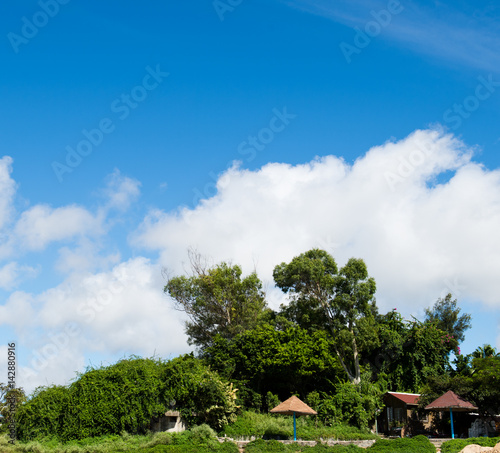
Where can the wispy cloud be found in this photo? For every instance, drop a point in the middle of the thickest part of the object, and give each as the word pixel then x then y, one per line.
pixel 460 32
pixel 12 273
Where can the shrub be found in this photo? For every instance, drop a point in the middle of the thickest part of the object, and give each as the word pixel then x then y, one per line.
pixel 418 444
pixel 273 446
pixel 264 446
pixel 126 396
pixel 321 448
pixel 351 404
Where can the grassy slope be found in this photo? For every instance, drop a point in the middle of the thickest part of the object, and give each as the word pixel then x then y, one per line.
pixel 274 426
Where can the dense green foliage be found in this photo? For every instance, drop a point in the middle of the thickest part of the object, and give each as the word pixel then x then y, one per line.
pixel 351 404
pixel 281 361
pixel 127 396
pixel 456 445
pixel 409 352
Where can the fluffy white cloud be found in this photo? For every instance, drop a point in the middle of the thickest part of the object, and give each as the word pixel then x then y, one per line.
pixel 421 235
pixel 42 224
pixel 18 312
pixel 115 313
pixel 86 256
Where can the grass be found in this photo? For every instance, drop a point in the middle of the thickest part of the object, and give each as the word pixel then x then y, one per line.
pixel 200 439
pixel 456 445
pixel 281 427
pixel 417 444
pixel 273 446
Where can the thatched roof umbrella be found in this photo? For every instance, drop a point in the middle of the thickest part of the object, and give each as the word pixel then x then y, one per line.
pixel 293 406
pixel 454 403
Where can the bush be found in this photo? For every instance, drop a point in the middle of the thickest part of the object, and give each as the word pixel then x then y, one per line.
pixel 273 446
pixel 351 404
pixel 417 444
pixel 199 440
pixel 320 448
pixel 126 396
pixel 264 446
pixel 456 445
pixel 226 447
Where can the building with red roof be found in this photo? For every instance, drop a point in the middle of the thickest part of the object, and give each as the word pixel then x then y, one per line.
pixel 400 415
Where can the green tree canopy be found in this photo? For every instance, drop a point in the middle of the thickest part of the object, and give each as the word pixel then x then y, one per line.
pixel 409 352
pixel 218 301
pixel 341 301
pixel 283 362
pixel 446 315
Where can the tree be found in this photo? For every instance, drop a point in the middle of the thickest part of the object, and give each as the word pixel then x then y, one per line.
pixel 445 313
pixel 10 398
pixel 486 378
pixel 409 352
pixel 341 301
pixel 485 351
pixel 481 387
pixel 217 301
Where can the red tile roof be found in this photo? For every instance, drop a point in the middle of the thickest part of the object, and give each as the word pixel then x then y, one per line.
pixel 451 400
pixel 410 399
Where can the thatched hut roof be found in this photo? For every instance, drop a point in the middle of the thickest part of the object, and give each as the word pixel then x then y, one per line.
pixel 291 405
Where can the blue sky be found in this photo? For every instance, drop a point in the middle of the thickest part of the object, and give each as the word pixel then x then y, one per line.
pixel 250 131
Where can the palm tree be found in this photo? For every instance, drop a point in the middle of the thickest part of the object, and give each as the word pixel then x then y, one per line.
pixel 485 351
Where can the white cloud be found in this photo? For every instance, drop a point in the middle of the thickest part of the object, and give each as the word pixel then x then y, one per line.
pixel 86 256
pixel 7 191
pixel 42 224
pixel 18 312
pixel 121 191
pixel 12 273
pixel 120 312
pixel 419 238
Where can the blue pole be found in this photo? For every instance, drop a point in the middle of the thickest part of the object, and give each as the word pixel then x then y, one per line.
pixel 294 427
pixel 451 418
